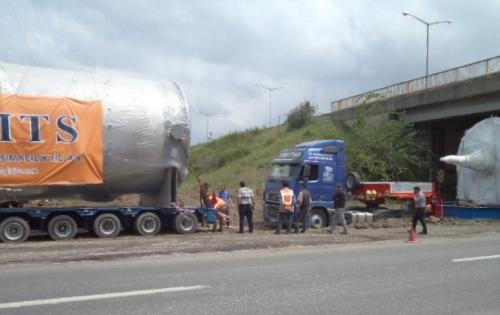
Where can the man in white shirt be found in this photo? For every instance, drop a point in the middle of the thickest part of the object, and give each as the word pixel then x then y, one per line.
pixel 246 204
pixel 419 205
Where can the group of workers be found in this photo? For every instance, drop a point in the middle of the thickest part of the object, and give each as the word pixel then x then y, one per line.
pixel 222 203
pixel 297 210
pixel 291 209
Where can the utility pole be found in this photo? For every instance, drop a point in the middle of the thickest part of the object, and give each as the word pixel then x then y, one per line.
pixel 270 89
pixel 208 115
pixel 279 123
pixel 427 25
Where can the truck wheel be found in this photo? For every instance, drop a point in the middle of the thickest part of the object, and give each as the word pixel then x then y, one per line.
pixel 318 219
pixel 352 180
pixel 62 227
pixel 107 225
pixel 186 223
pixel 348 217
pixel 14 229
pixel 147 224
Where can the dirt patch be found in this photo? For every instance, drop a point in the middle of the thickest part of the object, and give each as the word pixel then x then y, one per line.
pixel 86 247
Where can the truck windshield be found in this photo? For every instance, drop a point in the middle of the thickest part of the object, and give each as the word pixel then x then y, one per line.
pixel 284 171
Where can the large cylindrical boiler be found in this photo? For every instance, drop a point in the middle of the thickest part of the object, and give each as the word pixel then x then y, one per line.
pixel 145 125
pixel 478 164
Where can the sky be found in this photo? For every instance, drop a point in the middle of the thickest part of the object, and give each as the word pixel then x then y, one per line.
pixel 219 51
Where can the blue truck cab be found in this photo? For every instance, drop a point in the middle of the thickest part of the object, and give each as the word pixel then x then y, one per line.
pixel 321 163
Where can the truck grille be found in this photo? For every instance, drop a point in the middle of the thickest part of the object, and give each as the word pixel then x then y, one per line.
pixel 271 212
pixel 272 196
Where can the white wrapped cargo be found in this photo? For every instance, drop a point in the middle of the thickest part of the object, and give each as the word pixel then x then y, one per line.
pixel 478 164
pixel 139 145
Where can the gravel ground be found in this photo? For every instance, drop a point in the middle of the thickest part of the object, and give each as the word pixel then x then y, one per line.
pixel 87 247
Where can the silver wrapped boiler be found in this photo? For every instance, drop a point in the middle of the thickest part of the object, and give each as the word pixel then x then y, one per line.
pixel 478 164
pixel 146 132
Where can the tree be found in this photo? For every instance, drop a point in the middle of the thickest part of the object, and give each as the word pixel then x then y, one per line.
pixel 301 115
pixel 383 150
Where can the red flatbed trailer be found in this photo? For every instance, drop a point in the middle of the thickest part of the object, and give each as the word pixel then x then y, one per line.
pixel 374 194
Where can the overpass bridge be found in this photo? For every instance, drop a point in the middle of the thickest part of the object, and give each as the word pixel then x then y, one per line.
pixel 443 104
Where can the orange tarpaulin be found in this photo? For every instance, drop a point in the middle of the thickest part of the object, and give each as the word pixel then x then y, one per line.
pixel 50 141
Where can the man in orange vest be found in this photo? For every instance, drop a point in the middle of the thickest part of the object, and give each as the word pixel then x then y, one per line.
pixel 220 207
pixel 286 208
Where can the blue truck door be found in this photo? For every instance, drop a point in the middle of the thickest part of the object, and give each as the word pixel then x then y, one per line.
pixel 328 178
pixel 312 181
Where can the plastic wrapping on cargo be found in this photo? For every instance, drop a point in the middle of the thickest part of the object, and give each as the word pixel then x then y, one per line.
pixel 478 164
pixel 146 132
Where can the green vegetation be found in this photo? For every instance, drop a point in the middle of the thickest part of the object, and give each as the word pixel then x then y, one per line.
pixel 247 155
pixel 378 150
pixel 387 150
pixel 301 115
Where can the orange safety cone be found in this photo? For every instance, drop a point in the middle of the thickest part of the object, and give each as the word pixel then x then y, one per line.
pixel 413 236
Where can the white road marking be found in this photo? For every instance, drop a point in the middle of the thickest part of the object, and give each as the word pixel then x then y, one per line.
pixel 99 296
pixel 476 258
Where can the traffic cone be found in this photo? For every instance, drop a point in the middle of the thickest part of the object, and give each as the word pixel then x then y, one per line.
pixel 413 236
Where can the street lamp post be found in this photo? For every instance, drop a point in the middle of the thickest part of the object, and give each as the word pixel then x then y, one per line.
pixel 427 24
pixel 270 89
pixel 207 115
pixel 279 122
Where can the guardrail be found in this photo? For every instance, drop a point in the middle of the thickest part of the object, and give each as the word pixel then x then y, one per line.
pixel 462 73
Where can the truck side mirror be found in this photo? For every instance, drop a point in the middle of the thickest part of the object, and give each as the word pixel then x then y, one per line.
pixel 307 171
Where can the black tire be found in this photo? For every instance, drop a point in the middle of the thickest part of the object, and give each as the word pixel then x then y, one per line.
pixel 348 217
pixel 185 223
pixel 107 225
pixel 147 224
pixel 14 230
pixel 318 218
pixel 352 180
pixel 62 227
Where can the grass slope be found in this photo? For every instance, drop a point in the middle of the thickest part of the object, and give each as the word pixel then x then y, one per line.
pixel 248 155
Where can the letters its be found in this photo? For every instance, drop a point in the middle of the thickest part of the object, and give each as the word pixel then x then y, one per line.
pixel 66 127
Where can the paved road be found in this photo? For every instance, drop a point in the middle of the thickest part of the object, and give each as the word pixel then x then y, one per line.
pixel 378 278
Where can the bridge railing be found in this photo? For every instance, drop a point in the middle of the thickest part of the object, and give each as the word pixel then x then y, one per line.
pixel 462 73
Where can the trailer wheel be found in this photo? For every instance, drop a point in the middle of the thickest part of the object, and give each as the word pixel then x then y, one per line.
pixel 186 223
pixel 348 217
pixel 62 227
pixel 107 225
pixel 147 224
pixel 318 219
pixel 14 229
pixel 352 180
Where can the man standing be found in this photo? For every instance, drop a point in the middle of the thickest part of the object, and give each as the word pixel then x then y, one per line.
pixel 286 208
pixel 226 196
pixel 220 207
pixel 246 204
pixel 205 201
pixel 339 205
pixel 303 203
pixel 419 205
